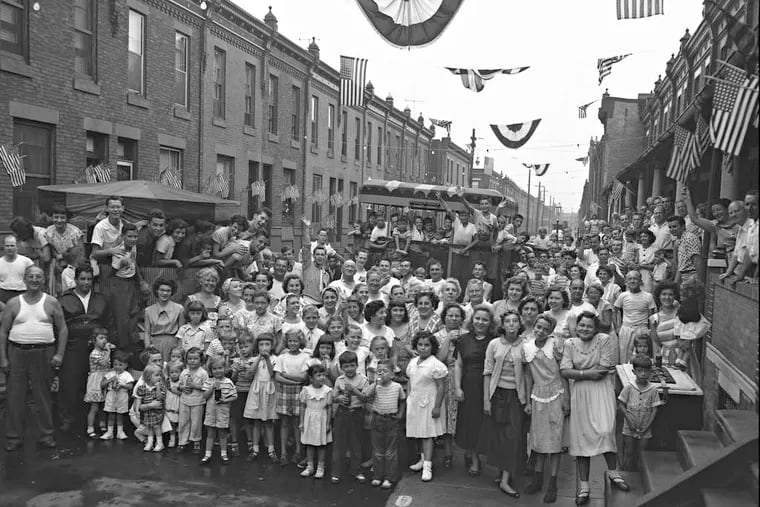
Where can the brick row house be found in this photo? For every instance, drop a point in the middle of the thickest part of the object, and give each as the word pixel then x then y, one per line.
pixel 203 88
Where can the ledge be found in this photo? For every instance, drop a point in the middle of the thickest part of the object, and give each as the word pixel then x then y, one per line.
pixel 273 138
pixel 219 122
pixel 181 112
pixel 87 85
pixel 15 64
pixel 249 131
pixel 314 149
pixel 295 144
pixel 134 99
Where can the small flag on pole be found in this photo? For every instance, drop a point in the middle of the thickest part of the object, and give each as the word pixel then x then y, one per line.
pixel 353 77
pixel 171 178
pixel 633 9
pixel 223 185
pixel 13 163
pixel 617 190
pixel 102 172
pixel 604 65
pixel 89 174
pixel 735 100
pixel 474 79
pixel 681 159
pixel 582 109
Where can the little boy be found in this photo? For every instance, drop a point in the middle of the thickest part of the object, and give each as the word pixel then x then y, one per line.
pixel 388 407
pixel 351 390
pixel 310 315
pixel 661 270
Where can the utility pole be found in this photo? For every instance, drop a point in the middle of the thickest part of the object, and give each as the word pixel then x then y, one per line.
pixel 472 157
pixel 538 205
pixel 527 204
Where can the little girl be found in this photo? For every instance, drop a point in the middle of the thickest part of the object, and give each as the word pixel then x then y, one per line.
pixel 315 420
pixel 191 334
pixel 191 401
pixel 219 391
pixel 291 320
pixel 641 343
pixel 100 363
pixel 260 406
pixel 177 355
pixel 290 375
pixel 353 343
pixel 335 329
pixel 173 393
pixel 117 383
pixel 150 356
pixel 689 327
pixel 150 404
pixel 242 375
pixel 639 401
pixel 223 347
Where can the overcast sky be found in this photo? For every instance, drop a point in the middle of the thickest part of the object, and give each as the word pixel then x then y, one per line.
pixel 560 40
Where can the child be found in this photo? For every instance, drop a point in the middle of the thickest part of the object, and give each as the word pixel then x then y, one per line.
pixel 639 401
pixel 379 351
pixel 176 355
pixel 353 343
pixel 242 375
pixel 631 249
pixel 212 339
pixel 150 405
pixel 150 356
pixel 173 393
pixel 191 401
pixel 689 327
pixel 261 404
pixel 641 344
pixel 312 333
pixel 291 321
pixel 290 375
pixel 419 273
pixel 479 273
pixel 661 269
pixel 632 310
pixel 387 410
pixel 402 236
pixel 191 334
pixel 100 363
pixel 117 383
pixel 219 392
pixel 335 329
pixel 223 347
pixel 315 419
pixel 351 390
pixel 324 354
pixel 549 402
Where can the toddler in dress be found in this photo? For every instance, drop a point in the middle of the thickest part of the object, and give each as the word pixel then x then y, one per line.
pixel 117 383
pixel 290 375
pixel 149 402
pixel 260 405
pixel 171 404
pixel 219 391
pixel 316 419
pixel 100 363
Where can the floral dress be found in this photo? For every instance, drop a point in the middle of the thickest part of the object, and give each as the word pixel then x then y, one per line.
pixel 257 324
pixel 547 396
pixel 100 363
pixel 315 420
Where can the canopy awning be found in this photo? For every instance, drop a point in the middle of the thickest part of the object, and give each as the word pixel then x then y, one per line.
pixel 423 195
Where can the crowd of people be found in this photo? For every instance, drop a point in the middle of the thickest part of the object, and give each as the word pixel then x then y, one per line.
pixel 371 351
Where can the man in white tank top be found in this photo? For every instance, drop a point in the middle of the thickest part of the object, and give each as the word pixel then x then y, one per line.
pixel 29 353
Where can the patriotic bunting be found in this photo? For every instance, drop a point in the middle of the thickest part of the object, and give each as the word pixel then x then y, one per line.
pixel 515 135
pixel 735 100
pixel 170 178
pixel 473 79
pixel 683 158
pixel 410 22
pixel 582 109
pixel 633 9
pixel 102 172
pixel 539 168
pixel 290 193
pixel 446 124
pixel 353 79
pixel 222 185
pixel 13 163
pixel 617 190
pixel 604 65
pixel 258 188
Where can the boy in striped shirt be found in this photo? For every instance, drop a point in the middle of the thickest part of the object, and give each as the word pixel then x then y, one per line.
pixel 388 407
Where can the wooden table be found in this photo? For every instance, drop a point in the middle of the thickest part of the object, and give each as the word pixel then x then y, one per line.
pixel 683 410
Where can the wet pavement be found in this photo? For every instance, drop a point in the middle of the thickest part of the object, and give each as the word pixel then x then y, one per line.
pixel 81 472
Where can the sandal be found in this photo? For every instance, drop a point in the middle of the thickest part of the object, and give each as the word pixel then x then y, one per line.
pixel 618 482
pixel 92 434
pixel 582 496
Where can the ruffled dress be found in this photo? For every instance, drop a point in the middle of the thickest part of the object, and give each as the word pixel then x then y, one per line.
pixel 315 422
pixel 547 418
pixel 419 415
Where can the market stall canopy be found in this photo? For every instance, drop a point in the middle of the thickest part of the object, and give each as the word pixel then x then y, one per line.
pixel 139 196
pixel 423 196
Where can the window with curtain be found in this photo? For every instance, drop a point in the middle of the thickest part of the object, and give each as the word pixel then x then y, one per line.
pixel 84 37
pixel 136 55
pixel 181 60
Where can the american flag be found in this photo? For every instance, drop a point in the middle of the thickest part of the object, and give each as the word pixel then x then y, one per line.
pixel 446 124
pixel 702 139
pixel 617 190
pixel 632 9
pixel 682 159
pixel 733 107
pixel 353 77
pixel 473 79
pixel 89 174
pixel 102 172
pixel 171 178
pixel 604 65
pixel 222 185
pixel 727 164
pixel 13 163
pixel 582 109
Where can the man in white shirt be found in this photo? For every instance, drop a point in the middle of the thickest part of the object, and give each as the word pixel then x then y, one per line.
pixel 12 267
pixel 280 270
pixel 738 213
pixel 345 284
pixel 436 280
pixel 603 256
pixel 663 239
pixel 322 241
pixel 106 236
pixel 361 257
pixel 384 266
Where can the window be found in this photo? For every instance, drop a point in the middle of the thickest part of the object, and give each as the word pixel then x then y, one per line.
pixel 330 128
pixel 220 69
pixel 84 37
pixel 172 159
pixel 357 138
pixel 136 60
pixel 295 117
pixel 314 120
pixel 344 135
pixel 255 175
pixel 181 59
pixel 126 159
pixel 274 82
pixel 369 142
pixel 250 90
pixel 697 77
pixel 288 205
pixel 353 208
pixel 13 27
pixel 225 166
pixel 339 215
pixel 398 152
pixel 316 206
pixel 36 146
pixel 379 145
pixel 96 146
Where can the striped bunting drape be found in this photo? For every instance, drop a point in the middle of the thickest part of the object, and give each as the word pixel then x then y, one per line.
pixel 516 134
pixel 473 79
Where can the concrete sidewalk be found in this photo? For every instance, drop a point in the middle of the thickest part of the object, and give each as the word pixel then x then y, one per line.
pixel 455 488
